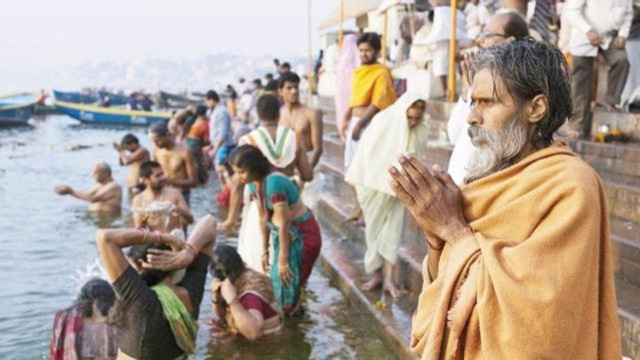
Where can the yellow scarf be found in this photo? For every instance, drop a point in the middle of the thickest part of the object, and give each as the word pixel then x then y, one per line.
pixel 372 85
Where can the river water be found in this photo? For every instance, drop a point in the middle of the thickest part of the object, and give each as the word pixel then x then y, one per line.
pixel 48 252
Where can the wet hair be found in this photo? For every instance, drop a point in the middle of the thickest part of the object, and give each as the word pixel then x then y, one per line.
pixel 251 159
pixel 104 166
pixel 515 26
pixel 146 168
pixel 372 39
pixel 268 107
pixel 201 110
pixel 212 95
pixel 129 139
pixel 95 291
pixel 160 129
pixel 285 65
pixel 139 252
pixel 226 263
pixel 529 68
pixel 271 86
pixel 290 77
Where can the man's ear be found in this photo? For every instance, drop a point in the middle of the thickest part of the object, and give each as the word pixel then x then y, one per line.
pixel 537 109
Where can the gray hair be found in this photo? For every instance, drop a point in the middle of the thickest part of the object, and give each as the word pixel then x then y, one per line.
pixel 529 68
pixel 104 166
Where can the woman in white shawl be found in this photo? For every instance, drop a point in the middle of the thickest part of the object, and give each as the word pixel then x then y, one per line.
pixel 396 130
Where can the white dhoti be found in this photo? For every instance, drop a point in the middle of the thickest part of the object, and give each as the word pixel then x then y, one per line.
pixel 383 217
pixel 250 244
pixel 351 146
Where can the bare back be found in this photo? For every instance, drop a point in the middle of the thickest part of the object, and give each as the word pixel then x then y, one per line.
pixel 174 162
pixel 141 155
pixel 109 195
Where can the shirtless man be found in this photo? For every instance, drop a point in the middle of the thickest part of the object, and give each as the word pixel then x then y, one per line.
pixel 176 160
pixel 104 196
pixel 137 155
pixel 159 207
pixel 305 121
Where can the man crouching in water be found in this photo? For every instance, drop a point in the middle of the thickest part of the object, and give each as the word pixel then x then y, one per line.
pixel 104 196
pixel 159 207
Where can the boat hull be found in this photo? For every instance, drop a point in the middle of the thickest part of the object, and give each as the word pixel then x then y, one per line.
pixel 17 109
pixel 110 116
pixel 172 101
pixel 16 116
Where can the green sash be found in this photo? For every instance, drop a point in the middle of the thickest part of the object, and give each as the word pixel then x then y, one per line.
pixel 183 325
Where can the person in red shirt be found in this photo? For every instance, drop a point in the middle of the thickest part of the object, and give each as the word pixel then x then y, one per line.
pixel 243 299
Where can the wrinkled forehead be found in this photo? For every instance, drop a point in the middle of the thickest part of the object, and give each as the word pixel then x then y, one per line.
pixel 487 84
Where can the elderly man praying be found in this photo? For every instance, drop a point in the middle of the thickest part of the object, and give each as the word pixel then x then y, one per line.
pixel 519 262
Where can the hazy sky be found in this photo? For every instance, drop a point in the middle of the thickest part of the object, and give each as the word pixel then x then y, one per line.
pixel 37 35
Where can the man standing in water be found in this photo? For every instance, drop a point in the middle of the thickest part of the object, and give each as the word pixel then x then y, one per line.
pixel 104 196
pixel 372 92
pixel 176 160
pixel 159 207
pixel 305 121
pixel 137 155
pixel 220 133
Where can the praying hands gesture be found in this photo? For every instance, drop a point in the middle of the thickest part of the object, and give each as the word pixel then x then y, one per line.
pixel 433 199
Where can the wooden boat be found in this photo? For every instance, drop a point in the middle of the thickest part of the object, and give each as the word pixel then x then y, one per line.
pixel 81 98
pixel 107 115
pixel 17 109
pixel 168 100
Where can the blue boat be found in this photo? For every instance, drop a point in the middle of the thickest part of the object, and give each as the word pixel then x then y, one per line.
pixel 17 109
pixel 110 116
pixel 74 97
pixel 80 98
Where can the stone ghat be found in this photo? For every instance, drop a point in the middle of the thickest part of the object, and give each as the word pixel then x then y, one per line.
pixel 342 254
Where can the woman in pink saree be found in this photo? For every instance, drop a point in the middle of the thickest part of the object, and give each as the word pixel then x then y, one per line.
pixel 348 63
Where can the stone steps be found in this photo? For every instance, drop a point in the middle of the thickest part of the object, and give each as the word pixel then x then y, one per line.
pixel 392 319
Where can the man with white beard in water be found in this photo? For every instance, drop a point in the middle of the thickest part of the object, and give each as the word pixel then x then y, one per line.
pixel 519 261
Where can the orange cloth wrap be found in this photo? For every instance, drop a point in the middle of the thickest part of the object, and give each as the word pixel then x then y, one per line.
pixel 536 281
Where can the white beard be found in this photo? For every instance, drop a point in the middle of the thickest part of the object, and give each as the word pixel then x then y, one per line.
pixel 496 150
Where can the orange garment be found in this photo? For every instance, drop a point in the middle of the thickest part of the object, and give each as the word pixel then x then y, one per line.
pixel 536 280
pixel 372 85
pixel 199 130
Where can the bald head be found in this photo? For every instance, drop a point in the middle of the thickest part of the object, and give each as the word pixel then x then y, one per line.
pixel 503 27
pixel 103 166
pixel 102 172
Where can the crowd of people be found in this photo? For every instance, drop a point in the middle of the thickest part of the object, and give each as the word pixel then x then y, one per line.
pixel 157 284
pixel 519 257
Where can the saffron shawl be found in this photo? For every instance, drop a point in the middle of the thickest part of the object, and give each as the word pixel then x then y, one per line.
pixel 372 85
pixel 536 280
